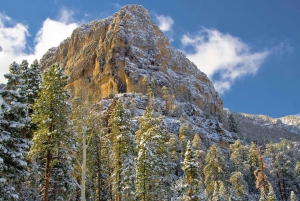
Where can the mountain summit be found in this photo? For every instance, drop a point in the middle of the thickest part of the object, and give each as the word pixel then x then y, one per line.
pixel 117 53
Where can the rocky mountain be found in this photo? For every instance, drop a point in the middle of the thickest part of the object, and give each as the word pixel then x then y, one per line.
pixel 123 53
pixel 117 53
pixel 262 128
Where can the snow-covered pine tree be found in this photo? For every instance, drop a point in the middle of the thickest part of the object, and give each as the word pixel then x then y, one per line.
pixel 232 125
pixel 184 136
pixel 239 187
pixel 152 165
pixel 215 169
pixel 34 79
pixel 293 196
pixel 239 157
pixel 175 156
pixel 124 153
pixel 13 142
pixel 200 154
pixel 263 196
pixel 53 138
pixel 254 164
pixel 271 194
pixel 282 169
pixel 191 174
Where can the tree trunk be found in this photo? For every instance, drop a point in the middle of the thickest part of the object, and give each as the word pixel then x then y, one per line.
pixel 47 174
pixel 263 179
pixel 279 186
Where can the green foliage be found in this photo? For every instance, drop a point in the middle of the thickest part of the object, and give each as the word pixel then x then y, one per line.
pixel 184 136
pixel 153 163
pixel 239 190
pixel 191 174
pixel 232 125
pixel 123 152
pixel 215 169
pixel 271 194
pixel 13 143
pixel 239 157
pixel 51 112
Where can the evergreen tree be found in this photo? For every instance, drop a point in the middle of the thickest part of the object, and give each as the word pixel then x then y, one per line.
pixel 263 196
pixel 191 174
pixel 232 124
pixel 239 191
pixel 239 157
pixel 183 138
pixel 214 170
pixel 271 194
pixel 13 142
pixel 293 196
pixel 34 79
pixel 200 154
pixel 123 152
pixel 282 169
pixel 175 156
pixel 254 165
pixel 53 138
pixel 152 165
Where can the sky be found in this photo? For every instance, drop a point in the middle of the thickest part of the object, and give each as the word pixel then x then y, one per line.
pixel 249 49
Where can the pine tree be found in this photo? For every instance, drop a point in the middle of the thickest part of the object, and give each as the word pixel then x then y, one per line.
pixel 191 174
pixel 183 138
pixel 263 196
pixel 34 79
pixel 293 196
pixel 200 154
pixel 152 165
pixel 53 138
pixel 123 152
pixel 239 157
pixel 175 156
pixel 254 165
pixel 232 124
pixel 239 191
pixel 282 169
pixel 215 169
pixel 14 145
pixel 271 194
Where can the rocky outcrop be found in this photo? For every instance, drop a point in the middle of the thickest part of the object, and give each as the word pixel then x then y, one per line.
pixel 115 54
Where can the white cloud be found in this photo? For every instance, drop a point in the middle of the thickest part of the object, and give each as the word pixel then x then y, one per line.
pixel 165 22
pixel 223 55
pixel 13 39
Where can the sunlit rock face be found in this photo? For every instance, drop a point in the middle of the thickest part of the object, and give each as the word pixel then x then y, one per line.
pixel 115 54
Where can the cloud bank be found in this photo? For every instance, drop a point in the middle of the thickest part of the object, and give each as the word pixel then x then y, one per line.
pixel 13 38
pixel 224 58
pixel 164 22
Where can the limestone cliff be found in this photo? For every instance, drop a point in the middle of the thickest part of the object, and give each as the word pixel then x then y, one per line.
pixel 117 53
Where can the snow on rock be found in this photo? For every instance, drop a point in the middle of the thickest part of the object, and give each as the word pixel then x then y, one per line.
pixel 115 54
pixel 209 129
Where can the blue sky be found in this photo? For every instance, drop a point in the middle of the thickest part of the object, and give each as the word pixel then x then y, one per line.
pixel 250 49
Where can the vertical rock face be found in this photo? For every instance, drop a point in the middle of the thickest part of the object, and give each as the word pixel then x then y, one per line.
pixel 117 53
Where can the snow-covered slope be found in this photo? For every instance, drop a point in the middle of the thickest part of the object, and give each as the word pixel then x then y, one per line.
pixel 263 128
